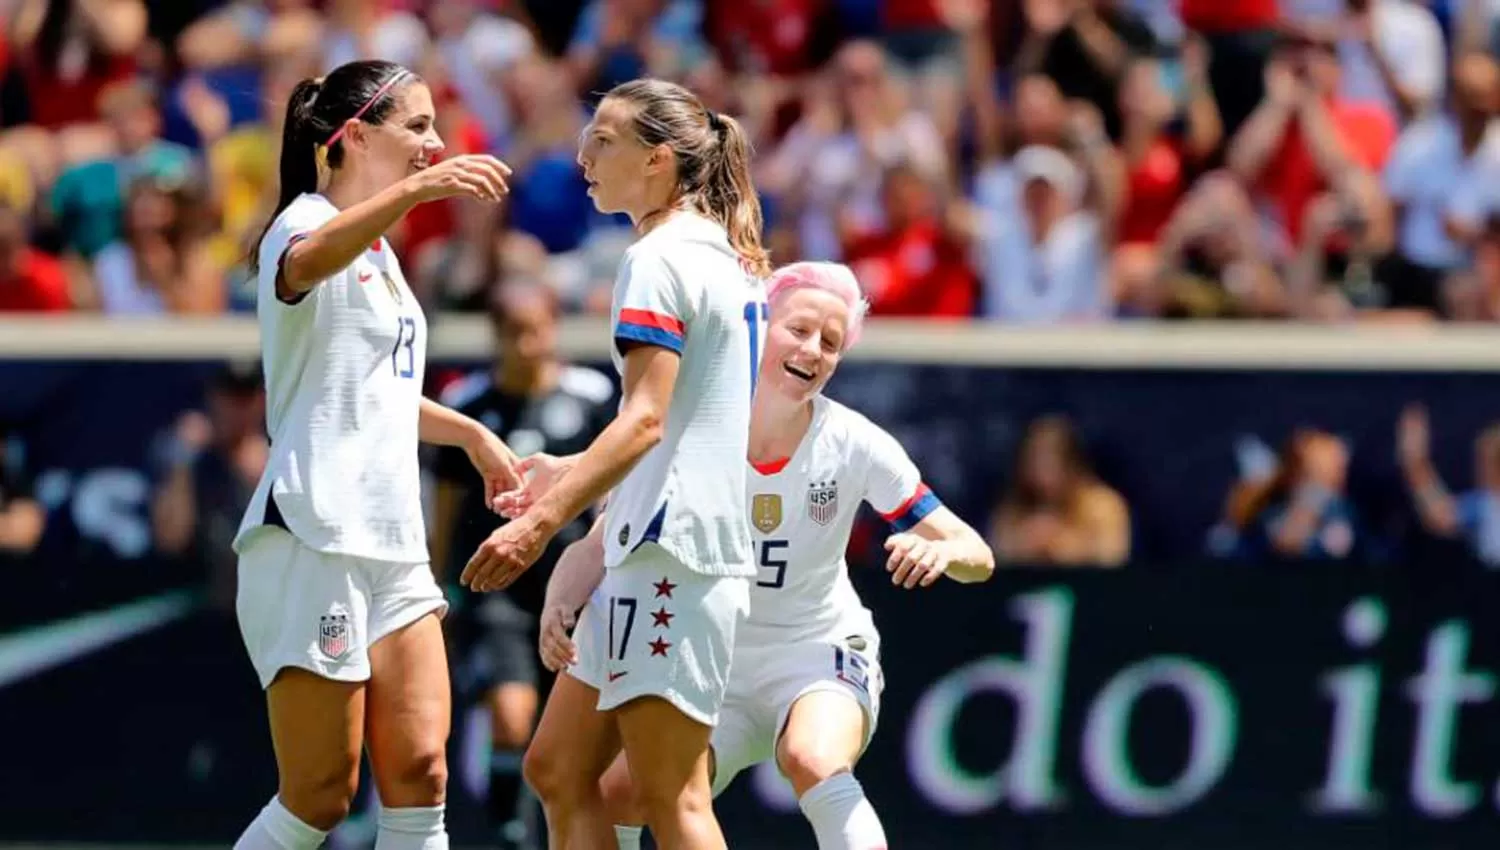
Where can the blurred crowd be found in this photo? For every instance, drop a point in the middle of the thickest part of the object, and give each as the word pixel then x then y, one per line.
pixel 1038 161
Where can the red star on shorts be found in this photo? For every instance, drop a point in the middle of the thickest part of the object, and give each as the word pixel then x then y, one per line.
pixel 661 617
pixel 659 647
pixel 664 588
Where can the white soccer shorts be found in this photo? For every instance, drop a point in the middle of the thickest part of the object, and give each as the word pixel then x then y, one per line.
pixel 299 607
pixel 655 628
pixel 768 680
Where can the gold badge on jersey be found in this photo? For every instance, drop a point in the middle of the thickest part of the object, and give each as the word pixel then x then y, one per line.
pixel 765 512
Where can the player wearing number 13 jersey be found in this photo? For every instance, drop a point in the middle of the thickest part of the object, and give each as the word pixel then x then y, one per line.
pixel 805 679
pixel 336 602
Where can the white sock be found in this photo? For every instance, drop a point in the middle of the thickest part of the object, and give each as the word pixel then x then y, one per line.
pixel 275 828
pixel 841 817
pixel 412 829
pixel 628 837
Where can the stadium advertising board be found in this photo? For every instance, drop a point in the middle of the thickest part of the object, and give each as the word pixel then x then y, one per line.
pixel 1189 707
pixel 1178 703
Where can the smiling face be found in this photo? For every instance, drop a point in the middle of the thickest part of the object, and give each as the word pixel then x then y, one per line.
pixel 804 344
pixel 405 142
pixel 615 163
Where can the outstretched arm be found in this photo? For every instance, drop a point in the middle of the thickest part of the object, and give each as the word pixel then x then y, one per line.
pixel 940 544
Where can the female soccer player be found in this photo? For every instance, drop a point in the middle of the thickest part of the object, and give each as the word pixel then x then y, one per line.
pixel 337 606
pixel 688 319
pixel 805 680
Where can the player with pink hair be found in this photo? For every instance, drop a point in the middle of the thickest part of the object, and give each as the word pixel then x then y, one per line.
pixel 805 678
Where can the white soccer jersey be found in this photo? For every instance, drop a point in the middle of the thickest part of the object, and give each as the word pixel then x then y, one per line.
pixel 344 369
pixel 683 287
pixel 802 514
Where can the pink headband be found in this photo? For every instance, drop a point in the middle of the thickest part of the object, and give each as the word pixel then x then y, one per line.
pixel 379 93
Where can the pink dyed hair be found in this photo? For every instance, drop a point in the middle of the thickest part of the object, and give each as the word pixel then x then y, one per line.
pixel 836 279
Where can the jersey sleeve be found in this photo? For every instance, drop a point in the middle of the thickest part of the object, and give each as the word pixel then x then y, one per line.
pixel 296 223
pixel 894 486
pixel 651 304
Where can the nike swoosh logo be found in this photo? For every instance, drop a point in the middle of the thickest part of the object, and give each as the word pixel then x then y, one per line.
pixel 615 676
pixel 36 650
pixel 364 276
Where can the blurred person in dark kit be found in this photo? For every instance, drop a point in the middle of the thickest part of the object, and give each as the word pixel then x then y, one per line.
pixel 535 402
pixel 209 464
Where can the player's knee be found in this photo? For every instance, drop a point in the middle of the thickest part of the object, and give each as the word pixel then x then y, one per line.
pixel 419 779
pixel 546 771
pixel 510 726
pixel 805 762
pixel 663 802
pixel 321 800
pixel 619 796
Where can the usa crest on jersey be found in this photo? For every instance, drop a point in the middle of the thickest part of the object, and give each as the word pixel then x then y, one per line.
pixel 333 635
pixel 823 501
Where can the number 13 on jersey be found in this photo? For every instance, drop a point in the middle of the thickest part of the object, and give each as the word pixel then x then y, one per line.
pixel 757 316
pixel 403 356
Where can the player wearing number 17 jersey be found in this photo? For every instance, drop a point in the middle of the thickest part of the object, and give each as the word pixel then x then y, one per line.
pixel 805 679
pixel 687 314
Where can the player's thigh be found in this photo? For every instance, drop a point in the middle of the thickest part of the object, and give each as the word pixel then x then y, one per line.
pixel 410 698
pixel 668 753
pixel 304 617
pixel 573 745
pixel 317 730
pixel 829 695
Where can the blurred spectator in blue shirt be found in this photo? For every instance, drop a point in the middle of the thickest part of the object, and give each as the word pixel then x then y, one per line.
pixel 1472 516
pixel 1302 511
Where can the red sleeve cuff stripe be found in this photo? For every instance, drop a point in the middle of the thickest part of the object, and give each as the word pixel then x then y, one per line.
pixel 905 506
pixel 646 318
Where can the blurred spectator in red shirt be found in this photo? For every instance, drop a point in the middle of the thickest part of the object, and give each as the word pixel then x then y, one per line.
pixel 913 267
pixel 827 173
pixel 772 47
pixel 1302 139
pixel 72 50
pixel 1160 159
pixel 30 281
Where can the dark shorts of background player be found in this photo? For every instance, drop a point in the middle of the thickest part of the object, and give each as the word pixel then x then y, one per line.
pixel 496 644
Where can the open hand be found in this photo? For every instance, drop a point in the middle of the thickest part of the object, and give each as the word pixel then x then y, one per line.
pixel 915 560
pixel 500 560
pixel 537 474
pixel 555 645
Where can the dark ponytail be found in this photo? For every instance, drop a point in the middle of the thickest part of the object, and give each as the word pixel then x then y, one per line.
pixel 316 109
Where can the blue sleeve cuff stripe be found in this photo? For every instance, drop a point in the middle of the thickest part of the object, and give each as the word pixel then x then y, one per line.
pixel 916 513
pixel 649 336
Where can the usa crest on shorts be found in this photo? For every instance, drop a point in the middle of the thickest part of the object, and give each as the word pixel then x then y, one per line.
pixel 334 636
pixel 822 501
